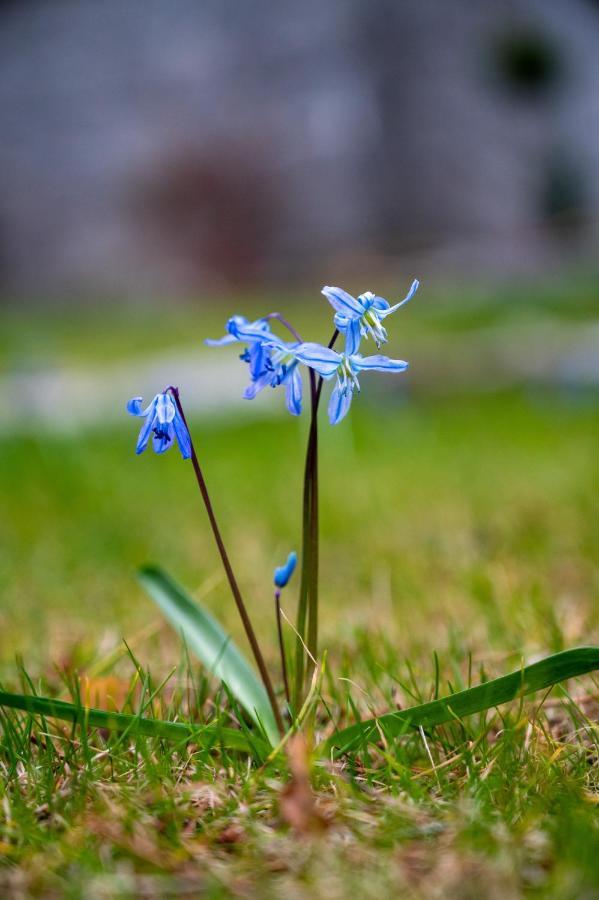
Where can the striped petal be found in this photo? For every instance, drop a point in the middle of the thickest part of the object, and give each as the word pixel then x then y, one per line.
pixel 258 385
pixel 134 407
pixel 293 391
pixel 378 364
pixel 353 336
pixel 146 428
pixel 387 312
pixel 182 435
pixel 322 359
pixel 248 331
pixel 342 302
pixel 164 438
pixel 339 404
pixel 165 408
pixel 221 342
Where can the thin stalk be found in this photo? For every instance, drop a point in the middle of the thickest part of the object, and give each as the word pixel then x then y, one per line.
pixel 249 630
pixel 308 597
pixel 312 639
pixel 302 608
pixel 282 646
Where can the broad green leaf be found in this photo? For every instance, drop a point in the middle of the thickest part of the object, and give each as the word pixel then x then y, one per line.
pixel 213 646
pixel 527 680
pixel 206 735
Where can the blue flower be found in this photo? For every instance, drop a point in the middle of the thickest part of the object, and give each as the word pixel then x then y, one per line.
pixel 284 573
pixel 346 366
pixel 164 420
pixel 271 362
pixel 365 314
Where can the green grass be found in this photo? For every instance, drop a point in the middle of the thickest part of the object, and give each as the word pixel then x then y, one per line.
pixel 459 535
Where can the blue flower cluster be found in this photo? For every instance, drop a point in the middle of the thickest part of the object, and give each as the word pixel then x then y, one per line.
pixel 273 362
pixel 269 365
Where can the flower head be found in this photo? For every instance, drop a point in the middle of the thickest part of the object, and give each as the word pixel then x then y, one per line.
pixel 271 362
pixel 164 421
pixel 364 314
pixel 346 366
pixel 284 573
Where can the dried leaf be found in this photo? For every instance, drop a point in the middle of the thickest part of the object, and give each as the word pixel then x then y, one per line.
pixel 297 803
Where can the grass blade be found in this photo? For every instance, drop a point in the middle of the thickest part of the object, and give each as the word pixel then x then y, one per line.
pixel 213 646
pixel 120 722
pixel 539 675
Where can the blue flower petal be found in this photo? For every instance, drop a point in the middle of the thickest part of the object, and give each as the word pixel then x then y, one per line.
pixel 164 438
pixel 322 359
pixel 341 321
pixel 248 332
pixel 339 404
pixel 342 302
pixel 258 385
pixel 146 428
pixel 387 312
pixel 378 364
pixel 259 356
pixel 352 337
pixel 165 408
pixel 366 300
pixel 293 391
pixel 221 342
pixel 284 573
pixel 380 304
pixel 229 338
pixel 134 407
pixel 275 343
pixel 182 435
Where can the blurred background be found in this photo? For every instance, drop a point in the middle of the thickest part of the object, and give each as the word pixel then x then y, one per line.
pixel 166 164
pixel 183 147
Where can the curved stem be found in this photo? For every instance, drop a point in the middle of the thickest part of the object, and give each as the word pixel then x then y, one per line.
pixel 249 630
pixel 285 324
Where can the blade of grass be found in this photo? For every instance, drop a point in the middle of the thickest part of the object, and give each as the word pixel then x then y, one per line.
pixel 527 680
pixel 213 646
pixel 125 722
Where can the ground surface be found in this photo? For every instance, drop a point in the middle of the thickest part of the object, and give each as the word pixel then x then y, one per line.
pixel 455 522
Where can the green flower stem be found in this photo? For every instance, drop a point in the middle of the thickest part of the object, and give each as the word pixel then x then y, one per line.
pixel 302 608
pixel 307 612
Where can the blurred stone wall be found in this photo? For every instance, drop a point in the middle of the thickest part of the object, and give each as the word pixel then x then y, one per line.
pixel 171 145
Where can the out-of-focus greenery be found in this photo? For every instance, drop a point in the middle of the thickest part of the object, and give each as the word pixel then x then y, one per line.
pixel 472 515
pixel 452 521
pixel 432 502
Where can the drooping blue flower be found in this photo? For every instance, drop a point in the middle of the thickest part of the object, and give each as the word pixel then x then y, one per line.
pixel 271 362
pixel 346 366
pixel 364 314
pixel 164 421
pixel 284 573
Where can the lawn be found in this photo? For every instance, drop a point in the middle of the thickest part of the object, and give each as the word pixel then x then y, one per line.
pixel 460 537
